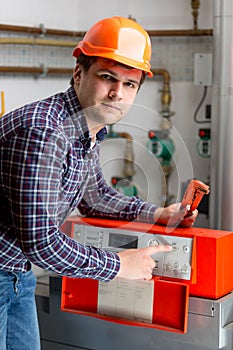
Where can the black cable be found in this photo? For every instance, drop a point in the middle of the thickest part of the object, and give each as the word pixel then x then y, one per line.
pixel 198 108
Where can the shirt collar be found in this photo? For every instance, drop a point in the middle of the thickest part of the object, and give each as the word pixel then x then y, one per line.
pixel 79 119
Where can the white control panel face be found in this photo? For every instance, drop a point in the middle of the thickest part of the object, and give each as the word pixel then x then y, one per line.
pixel 175 263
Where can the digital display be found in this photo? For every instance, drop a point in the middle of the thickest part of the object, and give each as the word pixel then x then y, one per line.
pixel 122 241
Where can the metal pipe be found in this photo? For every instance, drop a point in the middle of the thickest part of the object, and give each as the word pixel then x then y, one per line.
pixel 163 72
pixel 35 70
pixel 3 104
pixel 40 30
pixel 195 6
pixel 128 170
pixel 166 92
pixel 166 99
pixel 181 32
pixel 57 32
pixel 125 135
pixel 37 41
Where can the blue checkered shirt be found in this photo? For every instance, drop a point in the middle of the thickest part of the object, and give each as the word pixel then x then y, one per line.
pixel 47 169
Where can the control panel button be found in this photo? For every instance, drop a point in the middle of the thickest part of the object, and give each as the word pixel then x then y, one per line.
pixel 186 249
pixel 175 247
pixel 184 269
pixel 167 267
pixel 153 242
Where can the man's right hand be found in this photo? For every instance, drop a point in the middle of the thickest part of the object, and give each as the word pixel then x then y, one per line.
pixel 138 263
pixel 174 216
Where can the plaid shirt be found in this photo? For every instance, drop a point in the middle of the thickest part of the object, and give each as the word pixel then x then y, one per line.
pixel 47 169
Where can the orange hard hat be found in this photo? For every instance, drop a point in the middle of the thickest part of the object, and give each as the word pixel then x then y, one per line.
pixel 119 39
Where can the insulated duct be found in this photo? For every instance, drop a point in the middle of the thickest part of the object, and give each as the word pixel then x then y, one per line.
pixel 221 163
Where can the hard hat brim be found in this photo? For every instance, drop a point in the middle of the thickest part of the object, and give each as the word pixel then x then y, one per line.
pixel 112 55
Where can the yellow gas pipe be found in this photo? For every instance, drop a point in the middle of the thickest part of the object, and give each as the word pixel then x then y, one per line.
pixel 2 103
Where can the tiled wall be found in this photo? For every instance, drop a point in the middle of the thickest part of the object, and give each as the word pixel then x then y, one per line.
pixel 176 54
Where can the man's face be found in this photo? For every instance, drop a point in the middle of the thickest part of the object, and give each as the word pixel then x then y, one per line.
pixel 106 91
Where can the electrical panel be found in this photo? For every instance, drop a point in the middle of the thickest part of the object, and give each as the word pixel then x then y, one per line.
pixel 203 69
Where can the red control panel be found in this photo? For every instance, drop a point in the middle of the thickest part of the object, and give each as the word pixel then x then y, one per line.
pixel 200 264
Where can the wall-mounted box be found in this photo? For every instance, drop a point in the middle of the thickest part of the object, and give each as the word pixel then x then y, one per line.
pixel 203 63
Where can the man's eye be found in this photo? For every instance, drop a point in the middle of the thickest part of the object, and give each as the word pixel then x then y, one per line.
pixel 106 76
pixel 129 84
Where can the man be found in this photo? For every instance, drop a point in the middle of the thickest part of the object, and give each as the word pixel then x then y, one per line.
pixel 50 166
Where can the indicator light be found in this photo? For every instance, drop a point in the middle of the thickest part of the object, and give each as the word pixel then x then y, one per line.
pixel 204 133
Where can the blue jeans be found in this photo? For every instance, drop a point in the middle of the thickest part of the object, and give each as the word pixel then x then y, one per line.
pixel 18 316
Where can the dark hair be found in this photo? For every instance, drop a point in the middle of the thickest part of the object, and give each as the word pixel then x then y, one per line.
pixel 86 62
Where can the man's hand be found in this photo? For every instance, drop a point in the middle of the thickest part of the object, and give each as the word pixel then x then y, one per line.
pixel 138 263
pixel 174 216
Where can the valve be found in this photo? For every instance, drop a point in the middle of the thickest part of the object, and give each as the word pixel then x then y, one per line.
pixel 124 185
pixel 161 145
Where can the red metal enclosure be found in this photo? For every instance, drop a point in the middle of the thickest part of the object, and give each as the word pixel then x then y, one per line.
pixel 211 275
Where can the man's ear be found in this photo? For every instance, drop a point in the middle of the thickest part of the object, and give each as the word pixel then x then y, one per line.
pixel 77 74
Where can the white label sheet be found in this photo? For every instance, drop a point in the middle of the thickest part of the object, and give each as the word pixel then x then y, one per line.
pixel 130 299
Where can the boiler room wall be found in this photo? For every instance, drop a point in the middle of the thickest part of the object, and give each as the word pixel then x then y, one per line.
pixel 79 15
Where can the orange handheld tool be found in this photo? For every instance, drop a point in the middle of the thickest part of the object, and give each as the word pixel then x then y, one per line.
pixel 193 194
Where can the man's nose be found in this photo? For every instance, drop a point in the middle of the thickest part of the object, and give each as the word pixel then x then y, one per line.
pixel 116 91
